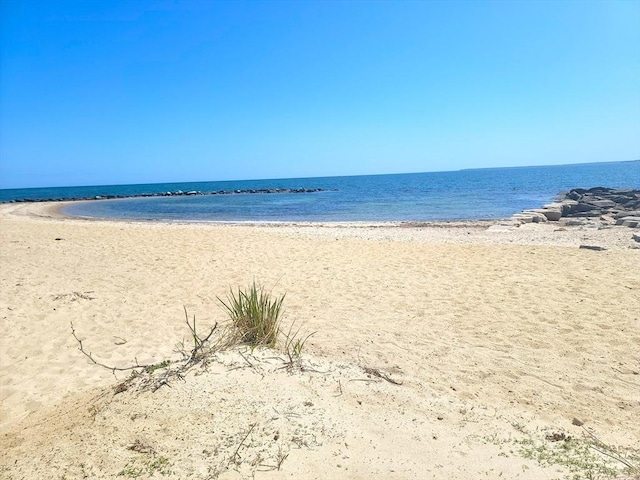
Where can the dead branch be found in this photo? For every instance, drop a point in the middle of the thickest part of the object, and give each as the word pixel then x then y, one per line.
pixel 108 367
pixel 615 457
pixel 377 373
pixel 198 343
pixel 600 446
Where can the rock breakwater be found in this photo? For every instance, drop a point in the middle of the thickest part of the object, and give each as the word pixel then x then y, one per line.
pixel 606 206
pixel 177 193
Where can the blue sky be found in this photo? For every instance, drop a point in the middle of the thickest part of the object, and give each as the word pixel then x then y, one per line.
pixel 106 92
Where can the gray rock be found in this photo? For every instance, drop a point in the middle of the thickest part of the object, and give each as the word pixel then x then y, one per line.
pixel 632 213
pixel 592 247
pixel 536 216
pixel 552 215
pixel 603 203
pixel 592 213
pixel 568 206
pixel 583 207
pixel 522 218
pixel 574 222
pixel 628 221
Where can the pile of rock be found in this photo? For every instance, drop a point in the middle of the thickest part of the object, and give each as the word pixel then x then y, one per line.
pixel 605 205
pixel 177 193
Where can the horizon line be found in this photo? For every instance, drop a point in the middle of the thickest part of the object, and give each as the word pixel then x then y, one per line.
pixel 321 176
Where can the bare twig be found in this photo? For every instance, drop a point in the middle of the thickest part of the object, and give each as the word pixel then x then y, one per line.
pixel 339 389
pixel 366 380
pixel 377 373
pixel 108 367
pixel 600 446
pixel 233 457
pixel 592 435
pixel 198 343
pixel 616 457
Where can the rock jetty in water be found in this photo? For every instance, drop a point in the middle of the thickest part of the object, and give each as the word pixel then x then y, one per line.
pixel 178 193
pixel 580 206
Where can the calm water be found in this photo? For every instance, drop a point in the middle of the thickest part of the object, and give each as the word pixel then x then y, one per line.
pixel 467 194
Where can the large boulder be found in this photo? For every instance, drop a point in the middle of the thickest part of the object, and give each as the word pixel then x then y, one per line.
pixel 551 214
pixel 583 207
pixel 603 203
pixel 568 206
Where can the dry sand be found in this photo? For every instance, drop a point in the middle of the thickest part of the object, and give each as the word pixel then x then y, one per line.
pixel 498 338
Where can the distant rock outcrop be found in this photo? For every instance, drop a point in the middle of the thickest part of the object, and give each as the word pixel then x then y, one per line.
pixel 607 206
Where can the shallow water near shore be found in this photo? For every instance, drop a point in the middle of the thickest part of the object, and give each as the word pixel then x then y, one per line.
pixel 461 195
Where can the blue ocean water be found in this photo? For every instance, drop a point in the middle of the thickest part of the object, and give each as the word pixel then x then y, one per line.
pixel 458 195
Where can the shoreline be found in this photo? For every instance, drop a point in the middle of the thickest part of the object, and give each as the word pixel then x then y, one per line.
pixel 495 335
pixel 53 210
pixel 597 206
pixel 474 232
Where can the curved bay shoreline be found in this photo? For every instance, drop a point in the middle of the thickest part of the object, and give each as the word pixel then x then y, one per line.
pixel 589 231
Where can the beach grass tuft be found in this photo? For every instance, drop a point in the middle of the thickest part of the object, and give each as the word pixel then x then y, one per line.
pixel 256 318
pixel 294 344
pixel 255 315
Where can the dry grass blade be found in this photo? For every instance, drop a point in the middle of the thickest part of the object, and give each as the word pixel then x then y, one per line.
pixel 235 454
pixel 294 344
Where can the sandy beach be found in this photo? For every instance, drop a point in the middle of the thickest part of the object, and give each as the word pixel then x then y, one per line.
pixel 500 343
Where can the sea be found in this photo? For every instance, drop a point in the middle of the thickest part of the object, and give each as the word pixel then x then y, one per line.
pixel 473 194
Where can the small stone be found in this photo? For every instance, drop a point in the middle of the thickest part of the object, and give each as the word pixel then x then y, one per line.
pixel 592 247
pixel 577 422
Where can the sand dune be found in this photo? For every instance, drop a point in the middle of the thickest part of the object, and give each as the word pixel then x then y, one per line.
pixel 498 338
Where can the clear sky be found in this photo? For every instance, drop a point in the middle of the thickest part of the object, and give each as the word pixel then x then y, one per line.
pixel 107 92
